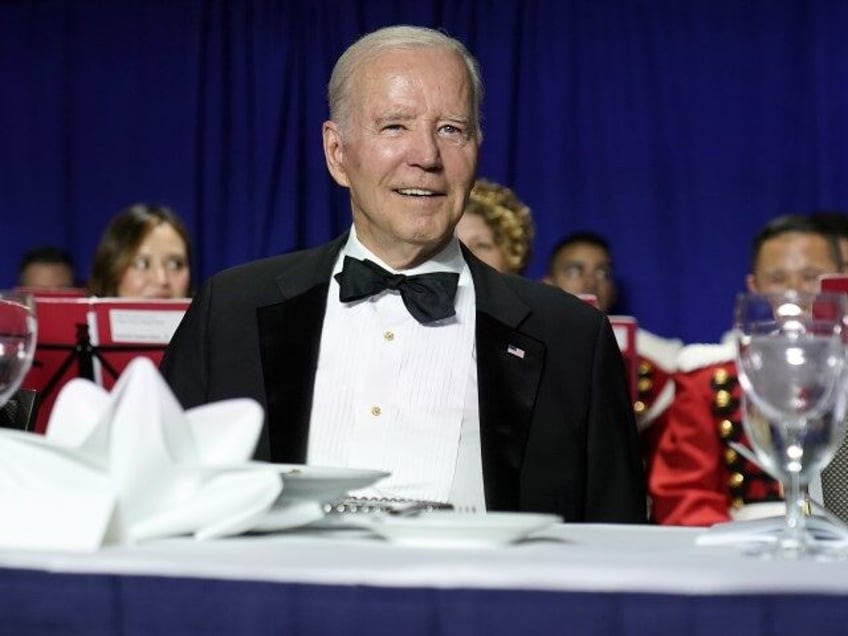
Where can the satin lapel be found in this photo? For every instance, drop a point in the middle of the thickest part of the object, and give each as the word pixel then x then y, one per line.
pixel 289 340
pixel 509 370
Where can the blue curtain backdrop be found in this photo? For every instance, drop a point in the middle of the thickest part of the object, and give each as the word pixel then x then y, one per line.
pixel 676 128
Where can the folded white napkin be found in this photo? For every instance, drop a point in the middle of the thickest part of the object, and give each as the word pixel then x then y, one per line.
pixel 131 465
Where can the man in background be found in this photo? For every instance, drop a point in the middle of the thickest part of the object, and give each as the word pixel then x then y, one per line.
pixel 46 267
pixel 582 263
pixel 696 477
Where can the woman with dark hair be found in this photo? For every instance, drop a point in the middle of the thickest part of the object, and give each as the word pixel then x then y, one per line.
pixel 145 253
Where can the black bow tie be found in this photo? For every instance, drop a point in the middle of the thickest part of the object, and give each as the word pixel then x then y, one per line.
pixel 428 297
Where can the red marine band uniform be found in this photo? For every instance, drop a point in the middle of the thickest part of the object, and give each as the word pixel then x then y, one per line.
pixel 654 386
pixel 696 478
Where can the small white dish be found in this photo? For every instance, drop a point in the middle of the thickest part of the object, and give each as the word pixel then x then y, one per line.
pixel 305 491
pixel 447 529
pixel 323 483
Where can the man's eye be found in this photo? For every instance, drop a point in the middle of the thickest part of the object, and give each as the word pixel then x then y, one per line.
pixel 451 130
pixel 573 271
pixel 811 276
pixel 603 274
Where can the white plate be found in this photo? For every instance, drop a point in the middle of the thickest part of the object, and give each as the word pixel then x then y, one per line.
pixel 307 488
pixel 445 529
pixel 323 483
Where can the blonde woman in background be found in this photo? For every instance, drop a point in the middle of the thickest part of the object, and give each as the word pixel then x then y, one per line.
pixel 497 227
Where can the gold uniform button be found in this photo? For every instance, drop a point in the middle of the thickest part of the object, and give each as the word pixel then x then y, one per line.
pixel 736 480
pixel 730 456
pixel 388 336
pixel 721 377
pixel 375 410
pixel 725 428
pixel 639 407
pixel 722 399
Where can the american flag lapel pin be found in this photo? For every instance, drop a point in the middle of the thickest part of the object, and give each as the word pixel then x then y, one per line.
pixel 515 351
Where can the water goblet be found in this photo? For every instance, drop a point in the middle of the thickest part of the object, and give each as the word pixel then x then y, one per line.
pixel 17 340
pixel 791 359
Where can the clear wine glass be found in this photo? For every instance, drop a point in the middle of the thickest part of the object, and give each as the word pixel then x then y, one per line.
pixel 17 340
pixel 792 366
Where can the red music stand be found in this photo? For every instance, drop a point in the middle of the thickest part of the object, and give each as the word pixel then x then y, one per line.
pixel 126 328
pixel 834 282
pixel 95 338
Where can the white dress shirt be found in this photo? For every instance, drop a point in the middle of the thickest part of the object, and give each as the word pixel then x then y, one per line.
pixel 395 395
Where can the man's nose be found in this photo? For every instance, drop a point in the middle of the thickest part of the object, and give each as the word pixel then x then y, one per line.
pixel 425 150
pixel 589 282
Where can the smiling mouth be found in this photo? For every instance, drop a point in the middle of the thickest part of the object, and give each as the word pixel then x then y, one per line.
pixel 417 192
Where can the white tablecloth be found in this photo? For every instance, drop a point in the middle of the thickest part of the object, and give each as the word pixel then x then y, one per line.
pixel 563 558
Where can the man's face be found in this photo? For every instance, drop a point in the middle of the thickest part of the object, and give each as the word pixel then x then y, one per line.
pixel 795 261
pixel 52 275
pixel 408 153
pixel 583 268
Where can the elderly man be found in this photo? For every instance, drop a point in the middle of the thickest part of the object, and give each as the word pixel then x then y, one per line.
pixel 394 348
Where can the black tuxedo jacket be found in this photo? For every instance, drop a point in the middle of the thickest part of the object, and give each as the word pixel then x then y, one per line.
pixel 556 424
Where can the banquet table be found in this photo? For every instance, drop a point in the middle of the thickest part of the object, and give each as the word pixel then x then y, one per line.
pixel 565 579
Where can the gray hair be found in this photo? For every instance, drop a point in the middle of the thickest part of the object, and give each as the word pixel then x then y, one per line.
pixel 372 44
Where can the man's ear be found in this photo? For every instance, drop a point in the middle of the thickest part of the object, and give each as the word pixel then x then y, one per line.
pixel 751 283
pixel 334 152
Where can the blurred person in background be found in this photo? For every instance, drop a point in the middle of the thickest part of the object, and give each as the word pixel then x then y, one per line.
pixel 696 478
pixel 497 227
pixel 144 253
pixel 582 263
pixel 46 267
pixel 835 224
